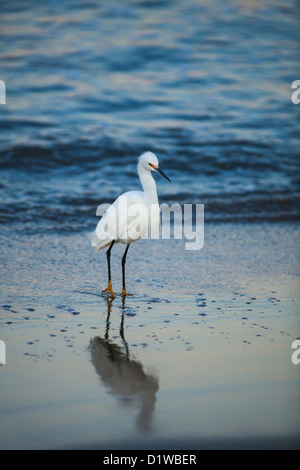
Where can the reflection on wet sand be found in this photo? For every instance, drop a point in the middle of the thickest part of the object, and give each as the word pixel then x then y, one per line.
pixel 125 377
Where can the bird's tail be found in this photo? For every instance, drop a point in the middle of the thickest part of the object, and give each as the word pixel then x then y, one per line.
pixel 97 242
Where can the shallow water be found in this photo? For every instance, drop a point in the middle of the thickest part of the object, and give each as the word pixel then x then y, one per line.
pixel 197 358
pixel 200 355
pixel 205 85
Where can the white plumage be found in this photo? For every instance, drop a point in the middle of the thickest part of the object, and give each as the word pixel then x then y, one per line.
pixel 133 215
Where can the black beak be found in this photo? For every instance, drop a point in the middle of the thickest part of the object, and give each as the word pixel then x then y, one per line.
pixel 162 173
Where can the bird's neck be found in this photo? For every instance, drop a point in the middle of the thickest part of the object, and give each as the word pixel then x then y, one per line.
pixel 149 186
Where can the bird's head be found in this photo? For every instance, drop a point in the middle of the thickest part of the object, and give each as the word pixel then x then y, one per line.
pixel 149 162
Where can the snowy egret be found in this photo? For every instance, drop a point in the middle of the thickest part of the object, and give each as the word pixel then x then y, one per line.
pixel 130 216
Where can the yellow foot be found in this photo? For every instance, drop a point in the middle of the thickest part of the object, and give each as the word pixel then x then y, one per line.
pixel 124 293
pixel 109 290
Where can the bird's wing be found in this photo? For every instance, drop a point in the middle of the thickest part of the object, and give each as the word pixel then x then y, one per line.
pixel 117 220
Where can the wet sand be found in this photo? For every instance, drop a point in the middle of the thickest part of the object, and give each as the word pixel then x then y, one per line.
pixel 198 357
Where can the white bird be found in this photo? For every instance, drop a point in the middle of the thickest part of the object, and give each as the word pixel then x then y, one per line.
pixel 130 217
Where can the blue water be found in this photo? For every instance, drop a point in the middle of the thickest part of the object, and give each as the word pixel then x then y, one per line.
pixel 204 84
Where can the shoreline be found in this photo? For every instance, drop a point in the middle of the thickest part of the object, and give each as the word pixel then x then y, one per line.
pixel 205 339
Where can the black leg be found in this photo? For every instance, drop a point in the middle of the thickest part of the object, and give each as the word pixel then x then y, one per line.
pixel 123 269
pixel 109 290
pixel 108 260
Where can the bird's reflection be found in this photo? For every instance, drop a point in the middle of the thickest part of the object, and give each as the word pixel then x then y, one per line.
pixel 125 377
